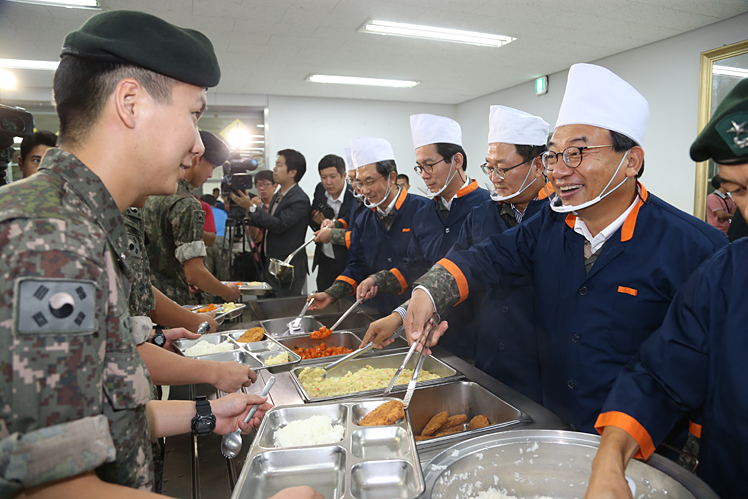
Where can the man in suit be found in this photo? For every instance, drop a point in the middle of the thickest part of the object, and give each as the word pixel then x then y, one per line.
pixel 332 201
pixel 285 224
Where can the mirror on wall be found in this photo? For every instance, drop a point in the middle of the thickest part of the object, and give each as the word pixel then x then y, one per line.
pixel 721 69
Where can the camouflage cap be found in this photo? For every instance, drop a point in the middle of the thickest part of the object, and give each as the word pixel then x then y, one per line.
pixel 725 137
pixel 144 40
pixel 216 150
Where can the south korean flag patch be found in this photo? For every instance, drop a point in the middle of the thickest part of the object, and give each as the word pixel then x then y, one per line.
pixel 54 306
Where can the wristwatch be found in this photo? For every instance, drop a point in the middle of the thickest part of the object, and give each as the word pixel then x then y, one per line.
pixel 159 338
pixel 204 421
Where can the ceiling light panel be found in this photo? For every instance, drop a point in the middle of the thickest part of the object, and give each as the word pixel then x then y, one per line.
pixel 28 64
pixel 70 4
pixel 354 80
pixel 433 33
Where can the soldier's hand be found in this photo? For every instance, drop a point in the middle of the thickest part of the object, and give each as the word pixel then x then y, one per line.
pixel 209 318
pixel 232 293
pixel 420 310
pixel 231 410
pixel 229 377
pixel 328 224
pixel 367 289
pixel 193 289
pixel 321 301
pixel 381 331
pixel 177 333
pixel 322 236
pixel 298 493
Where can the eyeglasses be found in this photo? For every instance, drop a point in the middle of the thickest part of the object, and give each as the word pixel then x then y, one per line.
pixel 501 172
pixel 426 167
pixel 368 182
pixel 572 156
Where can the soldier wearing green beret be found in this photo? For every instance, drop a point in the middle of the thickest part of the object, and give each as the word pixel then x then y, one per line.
pixel 696 360
pixel 75 415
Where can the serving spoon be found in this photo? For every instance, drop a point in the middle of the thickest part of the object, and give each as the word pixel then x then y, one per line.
pixel 231 443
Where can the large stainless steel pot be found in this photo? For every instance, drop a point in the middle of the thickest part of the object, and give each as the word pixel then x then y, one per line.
pixel 530 463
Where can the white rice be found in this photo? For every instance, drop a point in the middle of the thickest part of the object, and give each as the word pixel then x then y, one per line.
pixel 202 347
pixel 313 431
pixel 492 493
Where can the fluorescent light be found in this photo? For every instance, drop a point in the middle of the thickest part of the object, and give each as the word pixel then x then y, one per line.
pixel 434 33
pixel 70 4
pixel 728 71
pixel 354 80
pixel 28 64
pixel 261 126
pixel 7 80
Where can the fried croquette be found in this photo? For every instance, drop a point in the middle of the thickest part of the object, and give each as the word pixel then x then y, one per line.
pixel 478 422
pixel 453 421
pixel 435 423
pixel 450 431
pixel 251 335
pixel 386 414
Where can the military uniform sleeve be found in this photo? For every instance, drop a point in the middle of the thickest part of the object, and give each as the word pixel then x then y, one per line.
pixel 668 377
pixel 187 220
pixel 141 328
pixel 341 237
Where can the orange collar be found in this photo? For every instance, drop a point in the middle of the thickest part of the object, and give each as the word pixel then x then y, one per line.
pixel 468 188
pixel 627 229
pixel 546 191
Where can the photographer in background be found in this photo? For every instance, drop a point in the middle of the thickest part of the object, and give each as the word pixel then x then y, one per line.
pixel 332 198
pixel 32 150
pixel 285 224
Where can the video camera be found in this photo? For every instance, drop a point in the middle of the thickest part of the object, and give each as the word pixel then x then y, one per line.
pixel 236 177
pixel 14 122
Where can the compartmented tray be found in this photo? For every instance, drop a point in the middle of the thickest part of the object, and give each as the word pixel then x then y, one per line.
pixel 220 315
pixel 278 328
pixel 251 288
pixel 345 339
pixel 392 361
pixel 254 355
pixel 460 397
pixel 371 462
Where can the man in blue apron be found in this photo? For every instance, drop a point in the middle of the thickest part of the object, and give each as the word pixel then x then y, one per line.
pixel 606 256
pixel 697 358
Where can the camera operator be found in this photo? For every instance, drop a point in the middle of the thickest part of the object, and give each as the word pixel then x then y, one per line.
pixel 285 223
pixel 332 198
pixel 175 226
pixel 32 150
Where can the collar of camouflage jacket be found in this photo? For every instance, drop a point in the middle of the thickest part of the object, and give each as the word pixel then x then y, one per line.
pixel 93 193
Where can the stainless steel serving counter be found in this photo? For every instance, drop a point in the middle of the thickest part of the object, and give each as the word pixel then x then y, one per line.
pixel 194 467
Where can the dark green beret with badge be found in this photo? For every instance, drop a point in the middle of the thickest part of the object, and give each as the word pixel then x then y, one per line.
pixel 140 39
pixel 216 150
pixel 725 137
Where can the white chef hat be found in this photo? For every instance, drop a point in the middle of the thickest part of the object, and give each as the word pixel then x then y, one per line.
pixel 368 150
pixel 349 166
pixel 596 96
pixel 430 129
pixel 512 126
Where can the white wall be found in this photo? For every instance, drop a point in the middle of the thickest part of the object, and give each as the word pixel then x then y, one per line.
pixel 317 127
pixel 665 72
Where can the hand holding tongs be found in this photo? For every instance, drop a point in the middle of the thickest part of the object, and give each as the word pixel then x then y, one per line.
pixel 428 328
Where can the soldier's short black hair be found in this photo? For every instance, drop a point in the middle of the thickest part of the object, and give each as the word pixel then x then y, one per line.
pixel 294 161
pixel 403 176
pixel 622 143
pixel 82 86
pixel 332 161
pixel 207 198
pixel 264 175
pixel 447 151
pixel 40 137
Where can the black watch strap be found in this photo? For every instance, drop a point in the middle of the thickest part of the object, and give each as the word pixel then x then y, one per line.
pixel 204 421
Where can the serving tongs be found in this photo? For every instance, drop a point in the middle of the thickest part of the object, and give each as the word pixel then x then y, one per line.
pixel 426 336
pixel 353 354
pixel 294 327
pixel 346 314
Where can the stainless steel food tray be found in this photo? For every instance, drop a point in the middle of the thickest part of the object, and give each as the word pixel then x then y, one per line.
pixel 345 339
pixel 220 316
pixel 253 355
pixel 530 463
pixel 277 327
pixel 259 288
pixel 460 397
pixel 371 462
pixel 393 361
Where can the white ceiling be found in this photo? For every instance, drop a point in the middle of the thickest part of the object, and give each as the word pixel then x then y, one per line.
pixel 269 47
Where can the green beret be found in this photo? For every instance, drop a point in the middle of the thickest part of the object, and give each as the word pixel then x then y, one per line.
pixel 216 150
pixel 725 137
pixel 140 39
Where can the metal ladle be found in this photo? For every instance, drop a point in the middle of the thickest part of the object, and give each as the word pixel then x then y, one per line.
pixel 231 443
pixel 203 328
pixel 279 269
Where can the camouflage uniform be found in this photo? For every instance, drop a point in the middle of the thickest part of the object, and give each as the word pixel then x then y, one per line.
pixel 174 225
pixel 142 300
pixel 73 388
